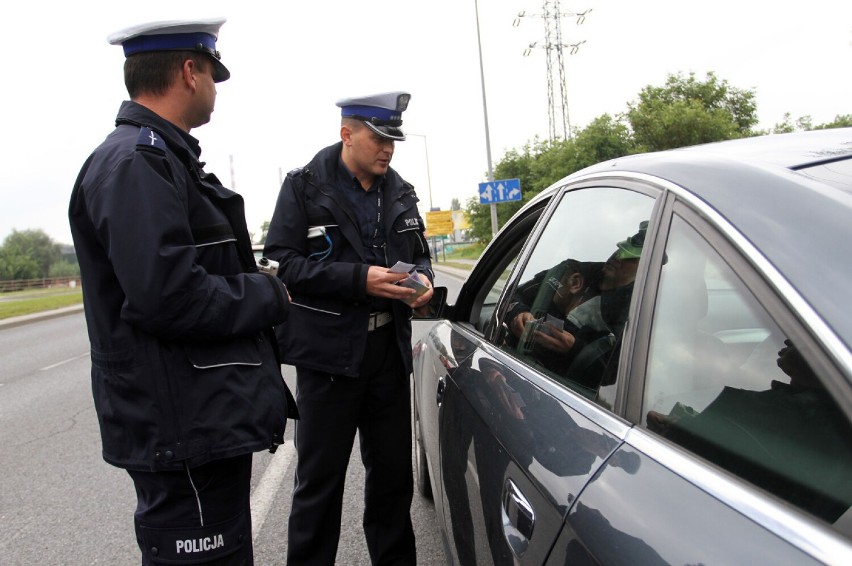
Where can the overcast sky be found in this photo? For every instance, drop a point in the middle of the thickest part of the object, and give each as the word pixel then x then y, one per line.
pixel 290 61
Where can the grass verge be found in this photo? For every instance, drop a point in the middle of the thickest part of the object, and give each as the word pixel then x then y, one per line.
pixel 470 251
pixel 456 265
pixel 23 303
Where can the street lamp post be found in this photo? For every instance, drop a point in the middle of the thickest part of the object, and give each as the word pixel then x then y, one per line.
pixel 485 113
pixel 428 180
pixel 428 172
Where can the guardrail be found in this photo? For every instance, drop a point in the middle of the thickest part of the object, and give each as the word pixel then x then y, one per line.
pixel 43 283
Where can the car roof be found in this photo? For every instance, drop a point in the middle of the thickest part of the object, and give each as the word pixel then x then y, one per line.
pixel 763 186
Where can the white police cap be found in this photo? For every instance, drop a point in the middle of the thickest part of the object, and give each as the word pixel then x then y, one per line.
pixel 175 35
pixel 381 112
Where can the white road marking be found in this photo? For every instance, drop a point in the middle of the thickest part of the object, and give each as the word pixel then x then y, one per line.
pixel 63 362
pixel 264 493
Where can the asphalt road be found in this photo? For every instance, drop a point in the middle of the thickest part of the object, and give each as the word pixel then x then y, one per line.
pixel 61 504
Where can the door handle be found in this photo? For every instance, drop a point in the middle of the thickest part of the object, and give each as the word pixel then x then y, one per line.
pixel 518 518
pixel 442 386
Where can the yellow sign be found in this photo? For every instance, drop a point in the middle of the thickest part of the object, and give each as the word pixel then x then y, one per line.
pixel 460 220
pixel 439 223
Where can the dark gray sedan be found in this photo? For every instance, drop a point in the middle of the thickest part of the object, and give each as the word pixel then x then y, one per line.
pixel 652 364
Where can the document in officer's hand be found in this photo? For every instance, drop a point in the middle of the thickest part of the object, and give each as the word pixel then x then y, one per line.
pixel 412 281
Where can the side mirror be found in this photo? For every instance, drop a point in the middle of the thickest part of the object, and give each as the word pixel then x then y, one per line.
pixel 434 309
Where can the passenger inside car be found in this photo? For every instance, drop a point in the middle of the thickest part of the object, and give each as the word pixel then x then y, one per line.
pixel 596 363
pixel 538 320
pixel 570 318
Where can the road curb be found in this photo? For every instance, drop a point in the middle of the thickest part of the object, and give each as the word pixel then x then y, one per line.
pixel 439 270
pixel 35 317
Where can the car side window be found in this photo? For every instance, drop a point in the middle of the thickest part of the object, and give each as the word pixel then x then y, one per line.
pixel 493 292
pixel 724 382
pixel 568 311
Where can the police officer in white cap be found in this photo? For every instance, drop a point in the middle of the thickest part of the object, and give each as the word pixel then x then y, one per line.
pixel 186 374
pixel 340 224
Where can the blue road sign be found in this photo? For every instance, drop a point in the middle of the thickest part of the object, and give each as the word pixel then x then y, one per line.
pixel 505 190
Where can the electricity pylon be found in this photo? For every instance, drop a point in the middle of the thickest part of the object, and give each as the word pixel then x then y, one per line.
pixel 557 110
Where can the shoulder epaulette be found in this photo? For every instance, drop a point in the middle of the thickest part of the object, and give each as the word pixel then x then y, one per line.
pixel 148 138
pixel 295 172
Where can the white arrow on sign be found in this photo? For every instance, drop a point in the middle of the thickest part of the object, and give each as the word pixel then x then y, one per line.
pixel 487 193
pixel 513 193
pixel 501 188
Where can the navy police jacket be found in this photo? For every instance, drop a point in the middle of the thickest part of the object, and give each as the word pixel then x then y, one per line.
pixel 185 367
pixel 326 329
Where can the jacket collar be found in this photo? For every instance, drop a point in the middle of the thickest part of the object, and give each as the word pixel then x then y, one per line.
pixel 134 113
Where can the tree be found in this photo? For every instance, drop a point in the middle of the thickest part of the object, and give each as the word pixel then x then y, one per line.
pixel 787 125
pixel 14 265
pixel 840 121
pixel 604 138
pixel 264 228
pixel 806 123
pixel 28 254
pixel 65 268
pixel 687 111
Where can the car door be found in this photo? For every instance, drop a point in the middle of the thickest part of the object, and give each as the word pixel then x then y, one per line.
pixel 741 443
pixel 521 432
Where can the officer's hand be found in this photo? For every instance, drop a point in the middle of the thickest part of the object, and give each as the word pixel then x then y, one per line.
pixel 382 283
pixel 424 298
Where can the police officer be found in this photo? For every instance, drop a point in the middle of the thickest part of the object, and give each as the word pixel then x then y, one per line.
pixel 185 370
pixel 340 226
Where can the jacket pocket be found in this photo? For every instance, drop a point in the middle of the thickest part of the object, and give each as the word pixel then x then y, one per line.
pixel 235 352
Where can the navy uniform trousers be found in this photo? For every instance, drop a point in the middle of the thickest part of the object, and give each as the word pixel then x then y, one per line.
pixel 331 408
pixel 196 516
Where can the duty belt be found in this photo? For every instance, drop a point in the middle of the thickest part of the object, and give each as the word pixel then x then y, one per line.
pixel 378 319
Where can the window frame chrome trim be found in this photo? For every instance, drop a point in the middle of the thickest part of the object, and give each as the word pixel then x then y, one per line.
pixel 793 527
